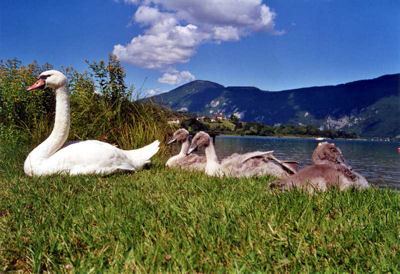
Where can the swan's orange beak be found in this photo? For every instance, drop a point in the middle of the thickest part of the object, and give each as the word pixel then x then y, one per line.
pixel 39 84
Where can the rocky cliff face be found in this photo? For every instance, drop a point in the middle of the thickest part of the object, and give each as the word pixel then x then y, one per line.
pixel 369 107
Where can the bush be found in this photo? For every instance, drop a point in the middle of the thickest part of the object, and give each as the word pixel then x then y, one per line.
pixel 18 107
pixel 101 105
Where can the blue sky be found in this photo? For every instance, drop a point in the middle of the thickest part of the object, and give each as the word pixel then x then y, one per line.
pixel 273 45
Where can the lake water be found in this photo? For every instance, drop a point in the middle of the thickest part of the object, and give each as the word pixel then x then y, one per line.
pixel 378 161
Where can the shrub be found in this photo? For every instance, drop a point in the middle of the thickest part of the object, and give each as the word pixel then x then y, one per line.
pixel 101 105
pixel 19 108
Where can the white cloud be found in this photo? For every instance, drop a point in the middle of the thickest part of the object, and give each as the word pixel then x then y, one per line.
pixel 162 46
pixel 148 15
pixel 127 1
pixel 156 91
pixel 152 92
pixel 176 77
pixel 228 33
pixel 174 29
pixel 250 14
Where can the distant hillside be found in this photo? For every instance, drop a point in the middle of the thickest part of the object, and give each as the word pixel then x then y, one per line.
pixel 371 108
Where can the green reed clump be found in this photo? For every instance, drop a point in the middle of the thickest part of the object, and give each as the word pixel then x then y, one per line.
pixel 101 105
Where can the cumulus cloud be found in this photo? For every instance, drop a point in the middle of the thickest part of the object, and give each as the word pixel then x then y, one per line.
pixel 152 92
pixel 228 33
pixel 176 77
pixel 241 14
pixel 127 1
pixel 174 29
pixel 164 44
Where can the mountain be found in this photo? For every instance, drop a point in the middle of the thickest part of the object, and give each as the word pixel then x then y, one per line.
pixel 371 108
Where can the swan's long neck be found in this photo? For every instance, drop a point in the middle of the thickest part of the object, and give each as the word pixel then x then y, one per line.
pixel 182 154
pixel 210 153
pixel 61 125
pixel 212 166
pixel 184 148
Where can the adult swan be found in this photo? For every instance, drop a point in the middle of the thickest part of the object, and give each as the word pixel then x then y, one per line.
pixel 81 157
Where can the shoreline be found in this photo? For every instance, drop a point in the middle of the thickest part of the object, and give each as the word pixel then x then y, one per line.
pixel 311 138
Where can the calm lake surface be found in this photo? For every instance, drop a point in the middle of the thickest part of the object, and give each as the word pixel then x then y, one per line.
pixel 378 161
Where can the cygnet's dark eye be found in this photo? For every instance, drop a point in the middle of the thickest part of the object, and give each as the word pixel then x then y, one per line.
pixel 44 77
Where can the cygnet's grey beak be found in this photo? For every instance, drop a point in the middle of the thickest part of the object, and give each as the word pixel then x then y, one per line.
pixel 191 149
pixel 346 164
pixel 171 141
pixel 342 161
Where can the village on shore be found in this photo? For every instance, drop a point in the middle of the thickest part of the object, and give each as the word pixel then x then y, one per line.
pixel 219 124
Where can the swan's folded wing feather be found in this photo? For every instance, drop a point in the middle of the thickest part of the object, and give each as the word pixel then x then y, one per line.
pixel 290 166
pixel 89 157
pixel 141 156
pixel 255 154
pixel 193 161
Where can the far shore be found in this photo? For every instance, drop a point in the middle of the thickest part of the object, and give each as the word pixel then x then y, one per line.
pixel 312 137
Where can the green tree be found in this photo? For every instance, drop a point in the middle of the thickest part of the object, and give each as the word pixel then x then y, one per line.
pixel 192 125
pixel 267 131
pixel 110 79
pixel 234 119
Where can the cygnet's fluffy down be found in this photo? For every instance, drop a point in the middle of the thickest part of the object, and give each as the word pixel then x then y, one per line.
pixel 182 160
pixel 329 169
pixel 256 163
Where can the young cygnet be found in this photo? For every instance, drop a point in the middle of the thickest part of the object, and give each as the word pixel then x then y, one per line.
pixel 256 163
pixel 183 160
pixel 329 169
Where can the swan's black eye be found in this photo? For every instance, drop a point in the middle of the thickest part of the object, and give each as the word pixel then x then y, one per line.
pixel 44 77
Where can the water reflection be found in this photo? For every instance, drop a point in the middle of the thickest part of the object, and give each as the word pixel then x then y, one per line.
pixel 379 162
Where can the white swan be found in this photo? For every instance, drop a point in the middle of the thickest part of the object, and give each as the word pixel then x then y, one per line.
pixel 81 157
pixel 257 163
pixel 183 160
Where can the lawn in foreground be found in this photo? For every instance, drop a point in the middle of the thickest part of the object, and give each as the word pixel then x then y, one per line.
pixel 160 219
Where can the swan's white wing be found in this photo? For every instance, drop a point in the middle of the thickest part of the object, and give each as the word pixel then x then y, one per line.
pixel 87 157
pixel 141 156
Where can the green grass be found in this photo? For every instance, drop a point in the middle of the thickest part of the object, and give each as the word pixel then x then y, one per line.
pixel 160 219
